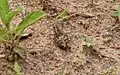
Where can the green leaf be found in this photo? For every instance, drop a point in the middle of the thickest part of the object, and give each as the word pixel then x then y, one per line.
pixel 4 8
pixel 2 12
pixel 20 51
pixel 29 19
pixel 17 68
pixel 2 31
pixel 117 13
pixel 62 15
pixel 11 14
pixel 2 34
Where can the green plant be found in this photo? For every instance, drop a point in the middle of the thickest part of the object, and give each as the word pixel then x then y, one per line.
pixel 88 44
pixel 117 12
pixel 14 69
pixel 11 34
pixel 109 71
pixel 62 15
pixel 88 41
pixel 17 69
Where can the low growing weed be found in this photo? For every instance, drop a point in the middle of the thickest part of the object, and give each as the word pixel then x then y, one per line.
pixel 11 34
pixel 14 69
pixel 17 69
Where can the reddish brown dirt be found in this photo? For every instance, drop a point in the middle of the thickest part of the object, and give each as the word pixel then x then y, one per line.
pixel 94 19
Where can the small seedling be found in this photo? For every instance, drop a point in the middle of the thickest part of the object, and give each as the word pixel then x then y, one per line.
pixel 109 71
pixel 62 15
pixel 17 69
pixel 87 44
pixel 10 34
pixel 117 12
pixel 88 41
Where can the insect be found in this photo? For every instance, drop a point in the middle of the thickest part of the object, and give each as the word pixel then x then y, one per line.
pixel 60 38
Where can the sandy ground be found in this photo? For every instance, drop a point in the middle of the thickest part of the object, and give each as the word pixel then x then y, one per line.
pixel 54 47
